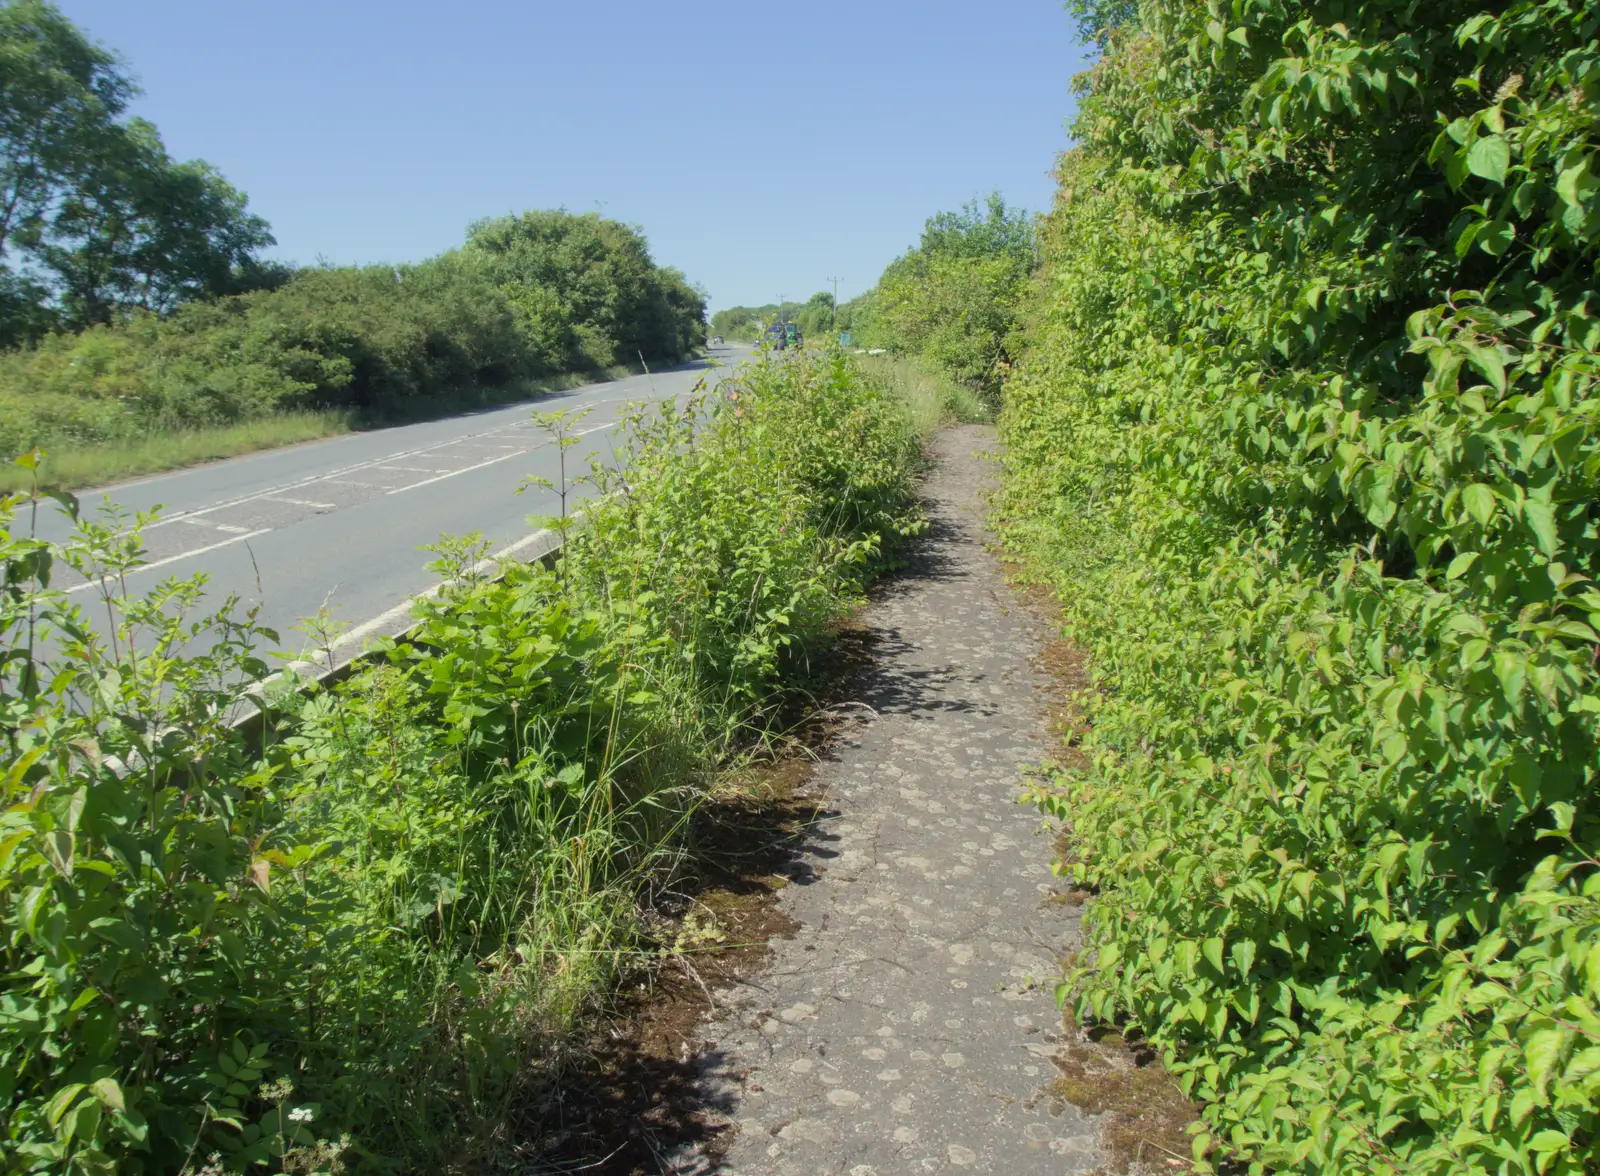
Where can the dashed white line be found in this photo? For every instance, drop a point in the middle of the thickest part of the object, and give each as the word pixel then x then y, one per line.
pixel 228 527
pixel 277 491
pixel 453 473
pixel 171 559
pixel 303 502
pixel 414 469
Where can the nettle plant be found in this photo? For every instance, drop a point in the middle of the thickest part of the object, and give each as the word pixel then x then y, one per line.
pixel 1307 435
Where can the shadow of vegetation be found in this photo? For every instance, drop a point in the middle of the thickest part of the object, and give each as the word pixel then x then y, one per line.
pixel 633 1102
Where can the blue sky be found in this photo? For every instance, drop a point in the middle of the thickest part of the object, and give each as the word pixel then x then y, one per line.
pixel 763 148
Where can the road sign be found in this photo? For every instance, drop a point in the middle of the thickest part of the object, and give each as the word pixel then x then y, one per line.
pixel 844 338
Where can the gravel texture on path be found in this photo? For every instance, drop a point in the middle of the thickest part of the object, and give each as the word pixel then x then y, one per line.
pixel 908 1025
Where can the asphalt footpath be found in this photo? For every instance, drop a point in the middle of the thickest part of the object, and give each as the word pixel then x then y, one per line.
pixel 909 1025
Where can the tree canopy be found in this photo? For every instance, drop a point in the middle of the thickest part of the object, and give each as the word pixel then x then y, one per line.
pixel 96 218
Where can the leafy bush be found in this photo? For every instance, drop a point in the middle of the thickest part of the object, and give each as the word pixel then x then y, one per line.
pixel 1306 434
pixel 356 945
pixel 952 302
pixel 587 294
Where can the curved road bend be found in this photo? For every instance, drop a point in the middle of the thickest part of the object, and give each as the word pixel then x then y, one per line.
pixel 338 523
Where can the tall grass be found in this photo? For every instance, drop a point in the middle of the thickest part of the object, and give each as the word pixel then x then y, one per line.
pixel 933 397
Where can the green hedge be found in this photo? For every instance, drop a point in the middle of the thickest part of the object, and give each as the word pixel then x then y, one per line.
pixel 528 296
pixel 1308 437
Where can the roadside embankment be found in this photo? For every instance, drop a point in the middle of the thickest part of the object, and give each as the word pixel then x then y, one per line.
pixel 369 944
pixel 531 302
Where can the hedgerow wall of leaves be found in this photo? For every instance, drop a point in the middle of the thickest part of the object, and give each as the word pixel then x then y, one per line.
pixel 1305 432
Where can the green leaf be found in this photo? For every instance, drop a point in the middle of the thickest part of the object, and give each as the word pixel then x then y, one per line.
pixel 84 1121
pixel 1480 502
pixel 1212 950
pixel 1461 565
pixel 56 846
pixel 1542 1055
pixel 1496 237
pixel 109 1094
pixel 1570 184
pixel 60 1101
pixel 1541 518
pixel 1489 158
pixel 1549 1140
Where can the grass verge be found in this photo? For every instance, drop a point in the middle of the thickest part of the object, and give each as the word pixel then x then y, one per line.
pixel 933 398
pixel 71 466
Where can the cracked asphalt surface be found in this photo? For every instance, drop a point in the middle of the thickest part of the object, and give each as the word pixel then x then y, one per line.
pixel 908 1025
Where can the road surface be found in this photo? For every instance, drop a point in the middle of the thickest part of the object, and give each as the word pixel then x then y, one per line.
pixel 339 523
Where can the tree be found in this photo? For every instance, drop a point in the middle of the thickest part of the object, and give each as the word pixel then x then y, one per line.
pixel 60 96
pixel 989 230
pixel 815 317
pixel 953 300
pixel 587 289
pixel 141 230
pixel 96 219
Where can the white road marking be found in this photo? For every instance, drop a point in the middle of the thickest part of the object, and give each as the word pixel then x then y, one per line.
pixel 414 469
pixel 352 482
pixel 276 492
pixel 319 661
pixel 198 522
pixel 171 559
pixel 519 451
pixel 231 529
pixel 303 502
pixel 463 470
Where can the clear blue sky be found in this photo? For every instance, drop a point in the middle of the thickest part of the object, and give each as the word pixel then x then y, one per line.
pixel 762 147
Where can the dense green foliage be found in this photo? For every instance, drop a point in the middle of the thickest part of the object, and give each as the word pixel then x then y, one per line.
pixel 584 291
pixel 1307 433
pixel 354 946
pixel 952 301
pixel 96 219
pixel 526 297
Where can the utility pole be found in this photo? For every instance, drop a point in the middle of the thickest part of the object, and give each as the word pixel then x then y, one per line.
pixel 780 309
pixel 833 319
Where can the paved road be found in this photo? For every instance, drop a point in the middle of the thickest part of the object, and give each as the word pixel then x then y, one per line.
pixel 338 523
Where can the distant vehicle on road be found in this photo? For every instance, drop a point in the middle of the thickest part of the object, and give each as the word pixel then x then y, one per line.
pixel 781 335
pixel 716 340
